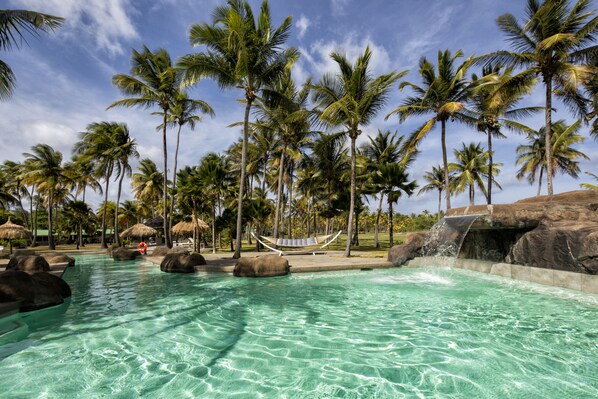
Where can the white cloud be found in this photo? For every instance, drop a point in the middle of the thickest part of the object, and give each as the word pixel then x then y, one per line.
pixel 105 22
pixel 302 24
pixel 339 7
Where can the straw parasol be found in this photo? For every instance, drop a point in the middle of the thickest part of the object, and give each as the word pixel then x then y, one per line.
pixel 10 231
pixel 182 228
pixel 138 230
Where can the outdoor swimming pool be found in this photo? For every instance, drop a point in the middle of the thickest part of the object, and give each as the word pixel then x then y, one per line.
pixel 131 330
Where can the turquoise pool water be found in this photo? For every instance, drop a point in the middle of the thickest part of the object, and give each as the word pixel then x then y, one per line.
pixel 132 331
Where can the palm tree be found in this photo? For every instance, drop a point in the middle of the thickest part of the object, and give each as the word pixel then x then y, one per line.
pixel 443 95
pixel 97 145
pixel 392 180
pixel 78 213
pixel 588 185
pixel 532 156
pixel 128 213
pixel 13 188
pixel 435 179
pixel 212 175
pixel 124 148
pixel 154 82
pixel 351 98
pixel 44 169
pixel 147 184
pixel 382 149
pixel 82 174
pixel 6 197
pixel 471 167
pixel 13 26
pixel 183 112
pixel 494 105
pixel 554 41
pixel 242 52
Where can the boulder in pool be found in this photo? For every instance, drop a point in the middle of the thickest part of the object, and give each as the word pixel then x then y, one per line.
pixel 262 266
pixel 124 254
pixel 399 254
pixel 54 258
pixel 36 291
pixel 181 263
pixel 159 251
pixel 28 264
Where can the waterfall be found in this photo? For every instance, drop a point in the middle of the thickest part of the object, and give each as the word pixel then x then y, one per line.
pixel 446 237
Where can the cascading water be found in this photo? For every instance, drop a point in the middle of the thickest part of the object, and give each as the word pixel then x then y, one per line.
pixel 446 237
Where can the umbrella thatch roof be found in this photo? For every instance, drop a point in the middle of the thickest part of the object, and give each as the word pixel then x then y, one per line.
pixel 156 223
pixel 11 231
pixel 138 230
pixel 187 227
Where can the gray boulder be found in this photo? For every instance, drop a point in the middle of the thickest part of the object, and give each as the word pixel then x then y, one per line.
pixel 159 251
pixel 28 264
pixel 262 266
pixel 36 291
pixel 399 254
pixel 54 258
pixel 124 254
pixel 181 263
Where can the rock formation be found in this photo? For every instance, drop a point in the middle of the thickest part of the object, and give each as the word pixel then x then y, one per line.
pixel 262 266
pixel 181 263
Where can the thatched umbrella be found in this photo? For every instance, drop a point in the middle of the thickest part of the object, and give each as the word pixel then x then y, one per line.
pixel 183 227
pixel 10 231
pixel 138 230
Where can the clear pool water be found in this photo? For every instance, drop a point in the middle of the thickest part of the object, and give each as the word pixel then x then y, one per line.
pixel 132 331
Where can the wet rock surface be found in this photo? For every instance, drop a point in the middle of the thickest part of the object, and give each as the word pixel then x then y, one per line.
pixel 399 254
pixel 181 262
pixel 262 266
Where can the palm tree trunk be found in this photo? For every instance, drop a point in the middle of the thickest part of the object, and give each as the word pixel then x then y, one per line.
pixel 447 187
pixel 291 201
pixel 279 192
pixel 390 223
pixel 51 244
pixel 167 236
pixel 353 189
pixel 377 225
pixel 548 112
pixel 237 253
pixel 34 220
pixel 120 185
pixel 471 195
pixel 176 155
pixel 214 228
pixel 79 236
pixel 540 181
pixel 103 243
pixel 490 166
pixel 439 204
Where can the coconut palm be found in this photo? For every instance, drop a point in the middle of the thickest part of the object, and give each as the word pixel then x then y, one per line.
pixel 183 112
pixel 44 169
pixel 435 179
pixel 123 149
pixel 381 149
pixel 78 213
pixel 532 156
pixel 244 52
pixel 147 184
pixel 444 94
pixel 128 213
pixel 494 106
pixel 471 168
pixel 154 82
pixel 14 24
pixel 352 98
pixel 588 185
pixel 81 170
pixel 555 41
pixel 6 197
pixel 393 181
pixel 13 189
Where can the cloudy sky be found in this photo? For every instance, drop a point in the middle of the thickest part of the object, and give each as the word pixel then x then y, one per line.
pixel 64 79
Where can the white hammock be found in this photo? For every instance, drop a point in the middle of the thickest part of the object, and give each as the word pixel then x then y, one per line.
pixel 322 241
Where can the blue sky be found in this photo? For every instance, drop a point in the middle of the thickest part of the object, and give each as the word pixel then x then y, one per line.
pixel 64 79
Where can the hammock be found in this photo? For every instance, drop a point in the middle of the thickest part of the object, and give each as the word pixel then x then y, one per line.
pixel 322 241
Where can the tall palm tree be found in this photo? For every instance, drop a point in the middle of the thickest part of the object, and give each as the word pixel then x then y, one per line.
pixel 435 179
pixel 444 94
pixel 83 176
pixel 352 98
pixel 128 214
pixel 532 156
pixel 13 26
pixel 494 106
pixel 154 82
pixel 97 145
pixel 555 41
pixel 470 169
pixel 78 213
pixel 242 52
pixel 14 189
pixel 147 184
pixel 393 181
pixel 382 149
pixel 124 148
pixel 44 169
pixel 183 112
